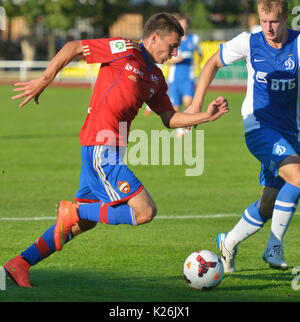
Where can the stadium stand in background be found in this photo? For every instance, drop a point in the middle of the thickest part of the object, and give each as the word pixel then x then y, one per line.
pixel 127 26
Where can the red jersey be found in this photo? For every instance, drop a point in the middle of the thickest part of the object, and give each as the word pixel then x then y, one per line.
pixel 126 80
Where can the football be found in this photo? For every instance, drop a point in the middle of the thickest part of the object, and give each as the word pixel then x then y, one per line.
pixel 203 270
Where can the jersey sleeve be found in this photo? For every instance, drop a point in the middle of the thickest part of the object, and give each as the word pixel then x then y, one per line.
pixel 160 102
pixel 106 50
pixel 236 49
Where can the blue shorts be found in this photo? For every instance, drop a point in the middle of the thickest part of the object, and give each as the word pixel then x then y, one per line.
pixel 270 147
pixel 177 90
pixel 104 177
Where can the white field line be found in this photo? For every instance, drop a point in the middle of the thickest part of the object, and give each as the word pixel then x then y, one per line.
pixel 26 218
pixel 161 217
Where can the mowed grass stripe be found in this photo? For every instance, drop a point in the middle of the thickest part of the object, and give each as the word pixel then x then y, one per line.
pixel 161 217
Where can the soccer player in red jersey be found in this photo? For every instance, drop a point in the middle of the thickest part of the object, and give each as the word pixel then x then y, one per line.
pixel 109 192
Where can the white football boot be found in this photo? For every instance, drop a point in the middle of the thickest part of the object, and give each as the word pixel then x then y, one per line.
pixel 227 257
pixel 274 257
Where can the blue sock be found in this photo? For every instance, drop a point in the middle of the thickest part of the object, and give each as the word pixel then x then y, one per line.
pixel 112 215
pixel 285 206
pixel 253 216
pixel 288 193
pixel 43 247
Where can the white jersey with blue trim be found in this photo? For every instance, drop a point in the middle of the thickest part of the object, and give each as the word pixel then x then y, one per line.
pixel 273 93
pixel 185 69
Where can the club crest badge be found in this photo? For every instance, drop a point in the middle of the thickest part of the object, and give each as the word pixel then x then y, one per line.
pixel 289 64
pixel 124 186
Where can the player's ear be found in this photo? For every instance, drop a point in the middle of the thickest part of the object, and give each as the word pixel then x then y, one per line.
pixel 154 37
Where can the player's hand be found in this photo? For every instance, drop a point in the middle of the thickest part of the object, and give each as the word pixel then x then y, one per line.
pixel 31 89
pixel 217 108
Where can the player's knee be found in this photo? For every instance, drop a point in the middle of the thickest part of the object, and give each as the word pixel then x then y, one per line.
pixel 295 181
pixel 289 170
pixel 146 215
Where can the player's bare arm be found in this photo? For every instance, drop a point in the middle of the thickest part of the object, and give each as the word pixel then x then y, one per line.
pixel 207 75
pixel 215 109
pixel 34 88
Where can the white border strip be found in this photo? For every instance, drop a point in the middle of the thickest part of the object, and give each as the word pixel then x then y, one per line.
pixel 195 216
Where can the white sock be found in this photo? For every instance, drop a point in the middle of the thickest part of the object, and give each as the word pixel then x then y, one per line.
pixel 251 222
pixel 284 208
pixel 241 231
pixel 280 223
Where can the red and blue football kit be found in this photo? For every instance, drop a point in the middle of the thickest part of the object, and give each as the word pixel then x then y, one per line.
pixel 126 80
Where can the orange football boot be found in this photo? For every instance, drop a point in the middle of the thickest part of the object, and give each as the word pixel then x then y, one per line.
pixel 67 216
pixel 18 270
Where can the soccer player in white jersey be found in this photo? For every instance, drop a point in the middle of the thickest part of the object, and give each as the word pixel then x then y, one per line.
pixel 271 114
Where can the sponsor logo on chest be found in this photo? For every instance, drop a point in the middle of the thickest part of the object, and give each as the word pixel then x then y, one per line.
pixel 278 83
pixel 134 70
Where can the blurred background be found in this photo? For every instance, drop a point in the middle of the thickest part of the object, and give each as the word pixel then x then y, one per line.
pixel 32 31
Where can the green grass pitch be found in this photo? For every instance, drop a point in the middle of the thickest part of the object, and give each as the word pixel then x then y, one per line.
pixel 40 164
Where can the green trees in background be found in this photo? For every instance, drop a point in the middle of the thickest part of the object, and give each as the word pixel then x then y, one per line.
pixel 63 14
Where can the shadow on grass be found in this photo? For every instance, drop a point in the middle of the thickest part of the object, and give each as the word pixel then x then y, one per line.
pixel 75 285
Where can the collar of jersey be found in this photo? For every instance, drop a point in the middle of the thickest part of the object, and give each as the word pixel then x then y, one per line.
pixel 278 50
pixel 149 65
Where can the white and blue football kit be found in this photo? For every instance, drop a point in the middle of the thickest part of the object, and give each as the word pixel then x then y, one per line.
pixel 181 75
pixel 271 109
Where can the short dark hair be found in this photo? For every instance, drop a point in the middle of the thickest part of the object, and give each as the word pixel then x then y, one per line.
pixel 162 23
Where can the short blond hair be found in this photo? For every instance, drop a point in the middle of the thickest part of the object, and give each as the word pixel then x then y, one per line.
pixel 268 5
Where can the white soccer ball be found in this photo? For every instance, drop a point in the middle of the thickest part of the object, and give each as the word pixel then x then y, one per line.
pixel 203 270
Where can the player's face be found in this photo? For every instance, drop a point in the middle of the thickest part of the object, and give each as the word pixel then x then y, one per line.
pixel 166 47
pixel 273 25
